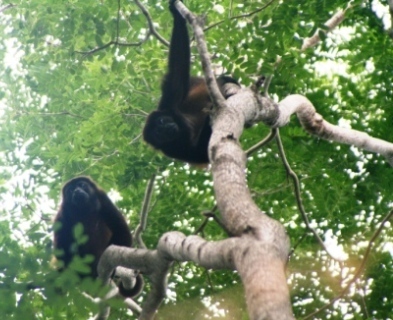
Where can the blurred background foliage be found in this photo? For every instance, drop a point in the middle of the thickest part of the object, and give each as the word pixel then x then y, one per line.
pixel 64 112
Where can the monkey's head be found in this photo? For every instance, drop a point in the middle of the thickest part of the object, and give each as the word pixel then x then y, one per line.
pixel 81 193
pixel 161 128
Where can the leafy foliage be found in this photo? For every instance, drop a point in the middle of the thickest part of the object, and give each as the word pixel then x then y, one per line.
pixel 65 113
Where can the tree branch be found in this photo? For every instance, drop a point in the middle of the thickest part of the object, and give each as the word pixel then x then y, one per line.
pixel 155 264
pixel 314 123
pixel 245 15
pixel 262 246
pixel 262 143
pixel 331 24
pixel 144 213
pixel 298 196
pixel 152 29
pixel 215 93
pixel 8 6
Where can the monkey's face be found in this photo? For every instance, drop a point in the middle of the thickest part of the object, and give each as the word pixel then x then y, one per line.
pixel 166 128
pixel 80 193
pixel 161 129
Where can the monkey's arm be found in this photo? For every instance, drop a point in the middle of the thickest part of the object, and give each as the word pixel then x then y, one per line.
pixel 63 239
pixel 176 83
pixel 115 221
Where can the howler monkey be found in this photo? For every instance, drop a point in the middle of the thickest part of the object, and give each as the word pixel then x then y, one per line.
pixel 180 127
pixel 84 202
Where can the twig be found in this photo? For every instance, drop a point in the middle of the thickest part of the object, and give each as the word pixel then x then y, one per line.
pixel 110 43
pixel 258 83
pixel 97 160
pixel 152 29
pixel 48 114
pixel 144 213
pixel 135 139
pixel 8 6
pixel 261 143
pixel 266 86
pixel 118 21
pixel 208 215
pixel 265 81
pixel 298 195
pixel 245 15
pixel 215 93
pixel 297 244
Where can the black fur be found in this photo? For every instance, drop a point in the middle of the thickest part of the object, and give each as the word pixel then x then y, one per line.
pixel 180 127
pixel 84 202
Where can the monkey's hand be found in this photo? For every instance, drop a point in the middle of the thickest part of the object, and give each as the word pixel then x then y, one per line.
pixel 172 7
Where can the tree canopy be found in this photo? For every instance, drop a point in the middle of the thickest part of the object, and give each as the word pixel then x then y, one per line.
pixel 80 77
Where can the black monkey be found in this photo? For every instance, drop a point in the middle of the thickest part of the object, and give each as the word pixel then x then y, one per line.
pixel 84 202
pixel 180 127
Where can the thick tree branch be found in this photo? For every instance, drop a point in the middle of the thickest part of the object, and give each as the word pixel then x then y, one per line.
pixel 153 264
pixel 172 246
pixel 314 123
pixel 259 247
pixel 262 246
pixel 263 274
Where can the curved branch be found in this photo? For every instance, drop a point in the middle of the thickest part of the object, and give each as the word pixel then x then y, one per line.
pixel 262 247
pixel 298 196
pixel 314 123
pixel 261 143
pixel 155 264
pixel 152 29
